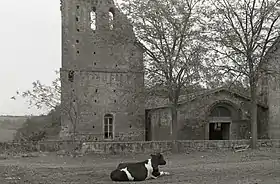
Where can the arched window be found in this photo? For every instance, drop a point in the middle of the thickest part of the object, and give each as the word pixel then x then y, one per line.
pixel 111 18
pixel 220 111
pixel 108 126
pixel 93 19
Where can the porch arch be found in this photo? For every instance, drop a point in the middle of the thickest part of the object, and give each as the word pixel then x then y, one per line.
pixel 221 114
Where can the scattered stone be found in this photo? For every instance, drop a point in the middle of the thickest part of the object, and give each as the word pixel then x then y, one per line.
pixel 240 148
pixel 61 152
pixel 26 155
pixel 12 178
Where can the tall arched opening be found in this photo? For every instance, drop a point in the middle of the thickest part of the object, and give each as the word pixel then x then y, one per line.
pixel 219 122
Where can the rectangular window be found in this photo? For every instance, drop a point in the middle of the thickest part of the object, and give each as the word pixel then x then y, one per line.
pixel 108 126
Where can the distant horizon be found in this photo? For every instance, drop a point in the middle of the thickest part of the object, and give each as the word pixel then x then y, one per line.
pixel 18 115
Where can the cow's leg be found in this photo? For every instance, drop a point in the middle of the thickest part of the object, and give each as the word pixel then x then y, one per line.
pixel 158 173
pixel 153 177
pixel 164 173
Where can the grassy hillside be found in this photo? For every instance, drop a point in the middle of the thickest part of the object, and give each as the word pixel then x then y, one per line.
pixel 9 125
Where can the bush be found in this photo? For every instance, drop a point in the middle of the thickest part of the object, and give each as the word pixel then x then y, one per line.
pixel 40 127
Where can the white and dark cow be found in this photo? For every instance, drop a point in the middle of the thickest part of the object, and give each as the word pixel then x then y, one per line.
pixel 139 171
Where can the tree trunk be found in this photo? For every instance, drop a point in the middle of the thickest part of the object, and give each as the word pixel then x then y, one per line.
pixel 74 133
pixel 174 129
pixel 254 120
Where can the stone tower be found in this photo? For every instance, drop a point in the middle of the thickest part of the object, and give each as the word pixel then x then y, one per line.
pixel 273 90
pixel 269 88
pixel 102 73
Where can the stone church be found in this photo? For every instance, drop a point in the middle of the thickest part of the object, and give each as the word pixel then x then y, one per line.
pixel 102 87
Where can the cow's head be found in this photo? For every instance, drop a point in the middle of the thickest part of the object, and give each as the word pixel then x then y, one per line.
pixel 157 159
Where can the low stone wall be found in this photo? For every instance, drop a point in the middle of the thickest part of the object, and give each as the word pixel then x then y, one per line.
pixel 25 147
pixel 126 147
pixel 269 143
pixel 164 146
pixel 13 147
pixel 130 147
pixel 203 145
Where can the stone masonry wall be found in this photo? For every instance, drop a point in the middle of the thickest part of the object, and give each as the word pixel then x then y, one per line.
pixel 131 147
pixel 193 118
pixel 273 99
pixel 269 89
pixel 107 68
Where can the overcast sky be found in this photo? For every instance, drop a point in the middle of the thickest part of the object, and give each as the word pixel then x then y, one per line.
pixel 30 49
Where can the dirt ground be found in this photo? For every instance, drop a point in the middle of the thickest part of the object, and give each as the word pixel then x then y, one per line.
pixel 255 167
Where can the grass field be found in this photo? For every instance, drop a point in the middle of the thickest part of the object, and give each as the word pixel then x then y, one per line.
pixel 195 168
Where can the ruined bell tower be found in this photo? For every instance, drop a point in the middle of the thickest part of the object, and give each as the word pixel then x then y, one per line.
pixel 102 73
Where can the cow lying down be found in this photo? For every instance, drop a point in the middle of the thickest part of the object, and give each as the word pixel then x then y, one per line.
pixel 139 171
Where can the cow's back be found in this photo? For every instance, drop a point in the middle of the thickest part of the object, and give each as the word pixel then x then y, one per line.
pixel 126 164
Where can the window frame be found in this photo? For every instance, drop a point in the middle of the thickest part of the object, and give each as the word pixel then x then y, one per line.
pixel 106 122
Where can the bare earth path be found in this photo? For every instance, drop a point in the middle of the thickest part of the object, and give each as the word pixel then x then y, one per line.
pixel 254 167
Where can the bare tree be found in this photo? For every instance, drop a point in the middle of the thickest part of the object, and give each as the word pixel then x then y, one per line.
pixel 71 111
pixel 41 95
pixel 241 33
pixel 49 97
pixel 169 33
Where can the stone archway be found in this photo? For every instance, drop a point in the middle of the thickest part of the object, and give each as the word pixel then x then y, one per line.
pixel 219 124
pixel 220 117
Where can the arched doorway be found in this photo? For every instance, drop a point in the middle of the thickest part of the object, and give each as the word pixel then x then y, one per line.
pixel 220 122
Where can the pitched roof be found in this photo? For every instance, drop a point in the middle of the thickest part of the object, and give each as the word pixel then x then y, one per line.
pixel 156 102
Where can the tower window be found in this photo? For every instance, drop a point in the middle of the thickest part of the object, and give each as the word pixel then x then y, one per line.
pixel 108 126
pixel 93 19
pixel 71 76
pixel 111 18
